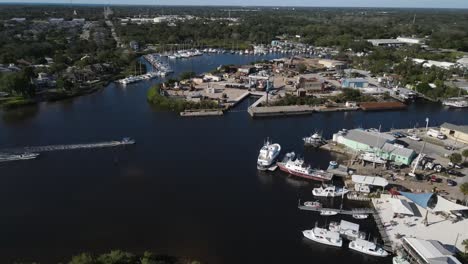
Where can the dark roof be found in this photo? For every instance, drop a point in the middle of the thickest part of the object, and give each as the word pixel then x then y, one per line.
pixel 463 129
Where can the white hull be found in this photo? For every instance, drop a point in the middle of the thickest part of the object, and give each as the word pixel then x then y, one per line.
pixel 329 192
pixel 368 248
pixel 322 236
pixel 268 155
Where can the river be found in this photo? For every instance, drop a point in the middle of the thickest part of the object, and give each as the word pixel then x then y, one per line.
pixel 189 187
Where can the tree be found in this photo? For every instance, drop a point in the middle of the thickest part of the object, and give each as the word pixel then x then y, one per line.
pixel 456 158
pixel 464 189
pixel 117 257
pixel 465 244
pixel 465 154
pixel 301 68
pixel 83 258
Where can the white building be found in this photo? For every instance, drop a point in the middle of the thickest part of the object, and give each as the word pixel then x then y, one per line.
pixel 463 62
pixel 421 251
pixel 439 64
pixel 409 40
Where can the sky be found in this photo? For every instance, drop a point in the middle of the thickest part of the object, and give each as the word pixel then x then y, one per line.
pixel 327 3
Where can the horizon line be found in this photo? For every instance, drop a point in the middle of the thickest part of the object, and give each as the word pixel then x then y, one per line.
pixel 215 5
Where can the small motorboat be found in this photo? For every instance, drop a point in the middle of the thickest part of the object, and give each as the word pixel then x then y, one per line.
pixel 328 213
pixel 315 204
pixel 367 247
pixel 360 216
pixel 329 191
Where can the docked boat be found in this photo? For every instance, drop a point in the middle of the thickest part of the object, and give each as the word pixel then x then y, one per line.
pixel 367 247
pixel 127 141
pixel 347 229
pixel 297 168
pixel 268 155
pixel 371 157
pixel 329 191
pixel 328 213
pixel 314 140
pixel 15 157
pixel 455 103
pixel 324 236
pixel 360 216
pixel 314 204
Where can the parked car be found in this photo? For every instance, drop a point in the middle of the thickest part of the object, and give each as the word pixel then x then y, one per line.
pixel 455 173
pixel 438 168
pixel 397 135
pixel 451 148
pixel 435 179
pixel 414 137
pixel 441 136
pixel 451 182
pixel 429 166
pixel 456 166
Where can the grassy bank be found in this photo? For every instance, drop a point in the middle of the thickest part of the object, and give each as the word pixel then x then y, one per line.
pixel 155 98
pixel 15 102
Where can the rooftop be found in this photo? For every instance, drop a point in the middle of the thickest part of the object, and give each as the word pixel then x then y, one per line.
pixel 403 152
pixel 430 250
pixel 370 138
pixel 463 129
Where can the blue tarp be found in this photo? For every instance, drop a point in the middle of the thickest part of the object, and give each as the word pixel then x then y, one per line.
pixel 420 199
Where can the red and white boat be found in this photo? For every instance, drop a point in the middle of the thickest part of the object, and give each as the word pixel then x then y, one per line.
pixel 297 168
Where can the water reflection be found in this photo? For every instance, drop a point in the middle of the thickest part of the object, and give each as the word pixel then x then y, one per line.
pixel 21 115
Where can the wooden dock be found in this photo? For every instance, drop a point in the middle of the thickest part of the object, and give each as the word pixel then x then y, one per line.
pixel 387 243
pixel 339 211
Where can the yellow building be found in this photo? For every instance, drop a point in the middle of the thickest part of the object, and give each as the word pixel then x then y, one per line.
pixel 455 132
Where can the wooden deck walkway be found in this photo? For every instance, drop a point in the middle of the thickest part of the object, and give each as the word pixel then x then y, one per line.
pixel 339 211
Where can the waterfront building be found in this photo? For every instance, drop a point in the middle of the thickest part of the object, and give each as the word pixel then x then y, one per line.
pixel 455 132
pixel 355 83
pixel 386 42
pixel 420 251
pixel 309 84
pixel 382 144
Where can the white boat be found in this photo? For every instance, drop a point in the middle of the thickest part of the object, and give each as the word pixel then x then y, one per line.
pixel 456 103
pixel 314 140
pixel 15 157
pixel 329 191
pixel 297 168
pixel 268 155
pixel 347 229
pixel 371 157
pixel 323 236
pixel 328 213
pixel 314 204
pixel 172 57
pixel 360 216
pixel 399 260
pixel 368 248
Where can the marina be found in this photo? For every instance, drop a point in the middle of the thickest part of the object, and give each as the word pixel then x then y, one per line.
pixel 150 195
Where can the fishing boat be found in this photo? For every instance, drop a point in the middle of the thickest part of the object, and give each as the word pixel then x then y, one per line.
pixel 297 168
pixel 314 140
pixel 268 155
pixel 329 191
pixel 347 229
pixel 360 216
pixel 314 204
pixel 328 213
pixel 323 236
pixel 368 248
pixel 15 157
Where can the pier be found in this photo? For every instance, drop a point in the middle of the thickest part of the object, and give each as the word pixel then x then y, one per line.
pixel 339 211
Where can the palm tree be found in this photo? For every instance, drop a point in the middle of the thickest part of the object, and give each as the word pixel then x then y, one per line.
pixel 464 190
pixel 465 244
pixel 465 155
